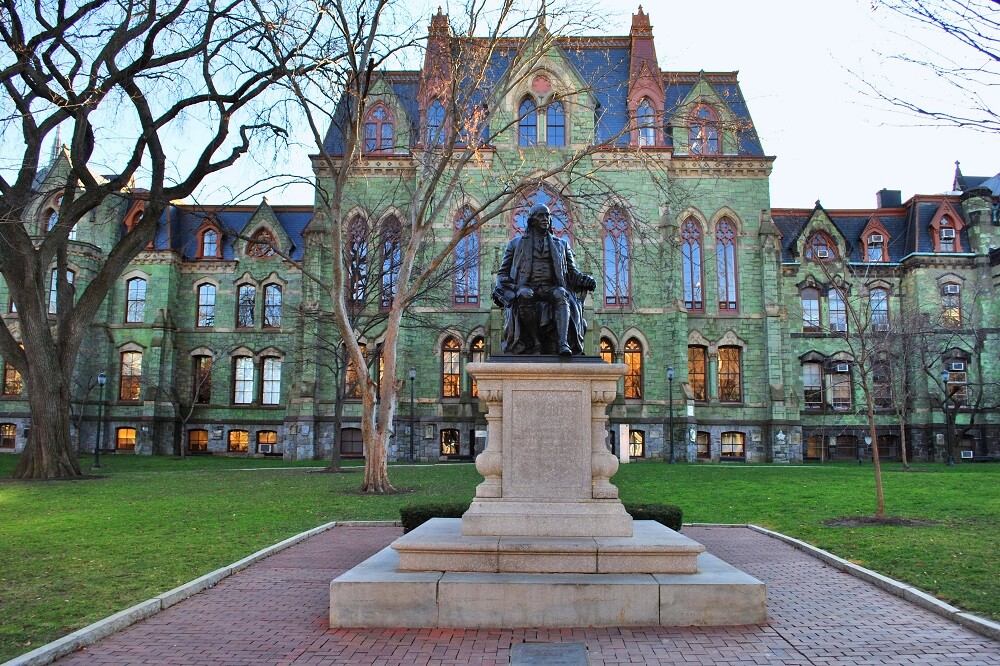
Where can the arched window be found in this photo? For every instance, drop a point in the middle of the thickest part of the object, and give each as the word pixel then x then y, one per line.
pixel 730 375
pixel 246 301
pixel 379 129
pixel 691 264
pixel 607 350
pixel 392 232
pixel 270 384
pixel 242 380
pixel 637 444
pixel 878 305
pixel 698 371
pixel 239 441
pixel 725 251
pixel 130 385
pixel 882 384
pixel 477 354
pixel 465 289
pixel 135 301
pixel 210 244
pixel 125 439
pixel 8 435
pixel 704 135
pixel 555 125
pixel 951 305
pixel 561 221
pixel 527 126
pixel 54 288
pixel 13 384
pixel 633 371
pixel 810 309
pixel 357 270
pixel 201 379
pixel 837 311
pixel 261 244
pixel 206 305
pixel 272 306
pixel 198 441
pixel 267 442
pixel 820 247
pixel 451 365
pixel 646 123
pixel 51 214
pixel 450 439
pixel 617 259
pixel 435 123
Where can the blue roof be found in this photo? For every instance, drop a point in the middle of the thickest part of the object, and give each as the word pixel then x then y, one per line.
pixel 184 222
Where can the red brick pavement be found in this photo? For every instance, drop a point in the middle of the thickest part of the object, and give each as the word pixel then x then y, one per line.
pixel 275 612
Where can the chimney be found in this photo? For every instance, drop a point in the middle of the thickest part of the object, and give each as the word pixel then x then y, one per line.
pixel 889 198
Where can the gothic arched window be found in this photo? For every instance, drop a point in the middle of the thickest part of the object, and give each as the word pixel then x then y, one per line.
pixel 561 221
pixel 617 258
pixel 451 368
pixel 645 117
pixel 435 123
pixel 555 125
pixel 725 251
pixel 379 129
pixel 527 126
pixel 704 135
pixel 691 264
pixel 465 289
pixel 392 231
pixel 633 369
pixel 357 270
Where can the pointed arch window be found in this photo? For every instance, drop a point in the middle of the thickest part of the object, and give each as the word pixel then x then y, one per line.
pixel 206 305
pixel 243 380
pixel 698 371
pixel 357 269
pixel 878 305
pixel 477 354
pixel 435 123
pixel 450 368
pixel 272 305
pixel 261 244
pixel 379 129
pixel 130 385
pixel 810 309
pixel 555 125
pixel 209 245
pixel 837 311
pixel 946 235
pixel 135 301
pixel 617 259
pixel 246 302
pixel 354 375
pixel 465 288
pixel 691 265
pixel 730 374
pixel 820 247
pixel 645 117
pixel 392 232
pixel 201 379
pixel 704 134
pixel 726 251
pixel 607 350
pixel 633 369
pixel 562 223
pixel 527 126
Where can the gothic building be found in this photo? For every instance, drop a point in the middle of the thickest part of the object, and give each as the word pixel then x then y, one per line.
pixel 778 326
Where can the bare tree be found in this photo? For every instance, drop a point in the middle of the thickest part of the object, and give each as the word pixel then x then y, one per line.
pixel 127 80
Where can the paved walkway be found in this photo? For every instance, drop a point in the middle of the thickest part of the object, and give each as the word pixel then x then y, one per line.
pixel 275 612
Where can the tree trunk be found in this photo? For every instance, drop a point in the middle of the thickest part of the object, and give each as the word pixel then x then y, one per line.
pixel 49 453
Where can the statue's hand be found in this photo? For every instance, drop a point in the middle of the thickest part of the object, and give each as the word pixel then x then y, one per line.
pixel 588 282
pixel 525 293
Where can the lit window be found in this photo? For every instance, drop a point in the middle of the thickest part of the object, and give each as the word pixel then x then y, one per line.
pixel 206 305
pixel 135 301
pixel 198 441
pixel 555 125
pixel 246 300
pixel 691 260
pixel 131 376
pixel 477 354
pixel 8 435
pixel 210 243
pixel 271 381
pixel 810 309
pixel 878 304
pixel 633 369
pixel 239 441
pixel 840 387
pixel 704 135
pixel 698 372
pixel 607 351
pixel 450 439
pixel 637 444
pixel 951 305
pixel 201 380
pixel 358 267
pixel 242 380
pixel 272 306
pixel 125 439
pixel 617 259
pixel 392 230
pixel 54 289
pixel 450 368
pixel 13 384
pixel 267 441
pixel 645 120
pixel 733 445
pixel 812 385
pixel 730 375
pixel 837 311
pixel 527 126
pixel 820 247
pixel 435 123
pixel 725 250
pixel 465 289
pixel 353 378
pixel 379 130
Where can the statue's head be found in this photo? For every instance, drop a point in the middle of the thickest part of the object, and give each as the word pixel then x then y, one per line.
pixel 540 217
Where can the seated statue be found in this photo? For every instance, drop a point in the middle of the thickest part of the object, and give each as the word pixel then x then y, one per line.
pixel 541 292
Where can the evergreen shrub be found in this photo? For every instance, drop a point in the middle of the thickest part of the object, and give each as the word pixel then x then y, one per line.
pixel 414 515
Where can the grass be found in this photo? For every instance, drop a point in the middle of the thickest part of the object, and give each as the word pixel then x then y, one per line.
pixel 75 552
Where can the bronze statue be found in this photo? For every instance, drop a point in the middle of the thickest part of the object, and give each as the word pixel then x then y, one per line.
pixel 541 292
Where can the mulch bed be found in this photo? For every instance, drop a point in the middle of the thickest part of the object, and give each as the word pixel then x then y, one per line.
pixel 872 521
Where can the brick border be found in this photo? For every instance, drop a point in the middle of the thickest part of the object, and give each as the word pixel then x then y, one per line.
pixel 89 635
pixel 976 623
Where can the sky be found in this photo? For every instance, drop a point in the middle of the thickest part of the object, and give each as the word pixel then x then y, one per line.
pixel 803 69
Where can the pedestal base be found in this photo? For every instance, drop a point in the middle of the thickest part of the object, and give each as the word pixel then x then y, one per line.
pixel 502 517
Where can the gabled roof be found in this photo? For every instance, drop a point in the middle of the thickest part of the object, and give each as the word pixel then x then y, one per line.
pixel 185 221
pixel 850 223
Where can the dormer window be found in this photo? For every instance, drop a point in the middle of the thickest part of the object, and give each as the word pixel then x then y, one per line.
pixel 876 247
pixel 704 132
pixel 210 243
pixel 820 247
pixel 946 235
pixel 645 118
pixel 379 130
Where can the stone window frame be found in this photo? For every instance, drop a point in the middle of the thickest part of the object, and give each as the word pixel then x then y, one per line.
pixel 457 434
pixel 468 263
pixel 126 434
pixel 616 230
pixel 241 443
pixel 376 143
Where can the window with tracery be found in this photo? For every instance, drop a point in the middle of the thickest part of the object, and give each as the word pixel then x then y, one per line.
pixel 730 375
pixel 477 354
pixel 646 123
pixel 527 126
pixel 357 269
pixel 607 351
pixel 633 369
pixel 465 288
pixel 451 365
pixel 561 221
pixel 820 247
pixel 379 130
pixel 262 244
pixel 725 250
pixel 555 125
pixel 392 232
pixel 435 123
pixel 691 264
pixel 617 259
pixel 704 134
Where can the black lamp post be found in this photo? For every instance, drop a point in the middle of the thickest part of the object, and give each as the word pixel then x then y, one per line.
pixel 948 429
pixel 413 375
pixel 670 428
pixel 102 379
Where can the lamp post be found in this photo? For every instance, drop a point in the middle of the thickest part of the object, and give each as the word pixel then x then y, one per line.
pixel 868 443
pixel 948 429
pixel 413 375
pixel 670 428
pixel 102 379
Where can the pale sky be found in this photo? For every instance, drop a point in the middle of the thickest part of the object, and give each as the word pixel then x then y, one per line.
pixel 799 65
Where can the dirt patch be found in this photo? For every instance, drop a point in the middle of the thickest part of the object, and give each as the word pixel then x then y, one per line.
pixel 872 521
pixel 342 470
pixel 394 491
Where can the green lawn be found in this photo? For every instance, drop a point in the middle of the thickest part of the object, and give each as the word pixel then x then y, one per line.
pixel 75 552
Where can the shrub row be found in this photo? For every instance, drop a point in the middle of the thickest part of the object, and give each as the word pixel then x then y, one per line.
pixel 414 515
